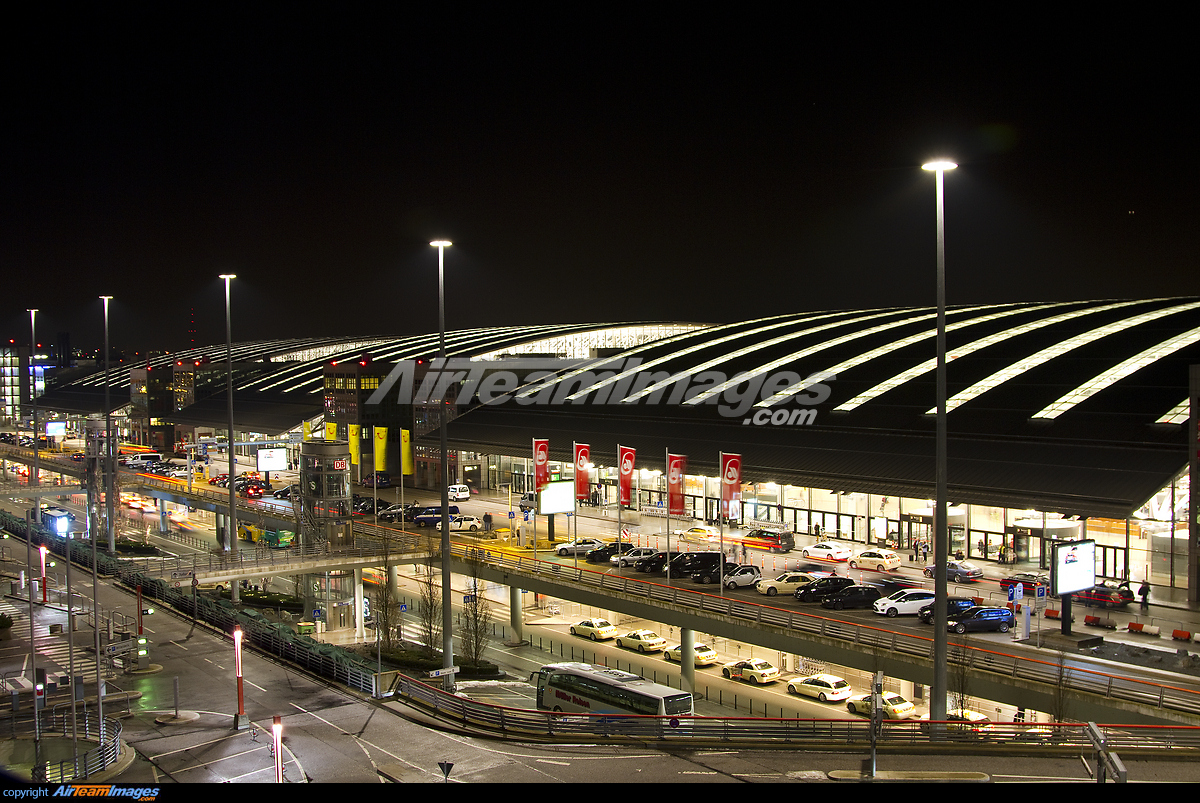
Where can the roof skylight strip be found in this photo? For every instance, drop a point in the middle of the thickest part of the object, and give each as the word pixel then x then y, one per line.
pixel 926 366
pixel 1178 414
pixel 882 351
pixel 1057 350
pixel 1118 372
pixel 692 370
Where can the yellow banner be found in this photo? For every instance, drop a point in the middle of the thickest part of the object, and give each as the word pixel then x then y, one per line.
pixel 307 430
pixel 406 452
pixel 330 431
pixel 355 444
pixel 381 448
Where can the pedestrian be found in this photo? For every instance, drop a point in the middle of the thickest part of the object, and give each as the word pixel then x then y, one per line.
pixel 925 552
pixel 487 522
pixel 1144 593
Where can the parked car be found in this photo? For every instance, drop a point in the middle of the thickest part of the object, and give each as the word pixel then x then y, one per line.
pixel 823 687
pixel 595 629
pixel 742 576
pixel 404 512
pixel 980 618
pixel 827 550
pixel 528 501
pixel 753 670
pixel 894 706
pixel 287 492
pixel 706 563
pixel 786 583
pixel 606 553
pixel 633 556
pixel 822 588
pixel 464 524
pixel 903 602
pixel 578 547
pixel 654 563
pixel 702 654
pixel 430 516
pixel 954 606
pixel 883 560
pixel 459 493
pixel 958 571
pixel 1106 594
pixel 642 641
pixel 856 596
pixel 1028 580
pixel 377 479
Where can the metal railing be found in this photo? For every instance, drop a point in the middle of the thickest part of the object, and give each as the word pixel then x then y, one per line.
pixel 84 766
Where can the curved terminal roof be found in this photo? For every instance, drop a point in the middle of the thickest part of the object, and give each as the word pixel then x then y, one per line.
pixel 1070 406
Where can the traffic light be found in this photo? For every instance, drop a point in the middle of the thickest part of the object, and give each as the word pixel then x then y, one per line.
pixel 39 689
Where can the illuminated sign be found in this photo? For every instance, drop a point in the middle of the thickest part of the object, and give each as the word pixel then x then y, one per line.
pixel 1073 567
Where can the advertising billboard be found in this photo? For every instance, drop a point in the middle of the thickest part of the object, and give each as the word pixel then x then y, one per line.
pixel 1073 567
pixel 272 459
pixel 56 429
pixel 557 497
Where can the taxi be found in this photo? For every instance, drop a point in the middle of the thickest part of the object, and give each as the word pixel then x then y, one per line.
pixel 752 670
pixel 894 706
pixel 595 629
pixel 642 641
pixel 884 560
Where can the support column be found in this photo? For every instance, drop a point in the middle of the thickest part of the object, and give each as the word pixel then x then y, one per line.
pixel 163 522
pixel 687 659
pixel 516 618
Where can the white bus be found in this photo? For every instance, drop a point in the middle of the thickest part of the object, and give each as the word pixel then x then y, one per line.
pixel 578 688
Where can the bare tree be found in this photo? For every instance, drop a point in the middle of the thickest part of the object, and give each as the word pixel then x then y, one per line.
pixel 477 616
pixel 1060 701
pixel 959 679
pixel 429 603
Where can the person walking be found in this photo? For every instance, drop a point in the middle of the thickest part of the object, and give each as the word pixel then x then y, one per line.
pixel 925 552
pixel 1144 593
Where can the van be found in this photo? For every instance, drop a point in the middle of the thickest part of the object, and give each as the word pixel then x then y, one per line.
pixel 529 501
pixel 142 460
pixel 459 493
pixel 431 516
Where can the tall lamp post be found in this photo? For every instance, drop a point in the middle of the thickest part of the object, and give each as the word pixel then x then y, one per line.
pixel 231 524
pixel 109 473
pixel 447 618
pixel 941 540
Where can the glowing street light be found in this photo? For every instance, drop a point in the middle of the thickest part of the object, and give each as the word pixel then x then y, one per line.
pixel 239 722
pixel 941 541
pixel 447 613
pixel 231 525
pixel 277 745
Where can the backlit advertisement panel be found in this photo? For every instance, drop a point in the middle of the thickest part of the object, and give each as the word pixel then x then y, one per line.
pixel 557 497
pixel 272 459
pixel 1073 567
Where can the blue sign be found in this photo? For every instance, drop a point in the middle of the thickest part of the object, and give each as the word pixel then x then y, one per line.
pixel 403 607
pixel 512 515
pixel 468 598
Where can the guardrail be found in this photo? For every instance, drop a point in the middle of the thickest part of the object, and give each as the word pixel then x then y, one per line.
pixel 93 761
pixel 757 732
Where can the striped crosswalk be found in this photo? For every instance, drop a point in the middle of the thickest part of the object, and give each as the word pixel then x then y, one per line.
pixel 52 651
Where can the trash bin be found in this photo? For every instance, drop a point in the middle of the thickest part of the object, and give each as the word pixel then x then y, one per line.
pixel 305 628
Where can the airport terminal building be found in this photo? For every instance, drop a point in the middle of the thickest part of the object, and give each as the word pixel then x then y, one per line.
pixel 1066 419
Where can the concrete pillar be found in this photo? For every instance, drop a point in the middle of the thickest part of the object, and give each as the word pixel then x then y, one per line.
pixel 687 659
pixel 164 525
pixel 394 576
pixel 516 618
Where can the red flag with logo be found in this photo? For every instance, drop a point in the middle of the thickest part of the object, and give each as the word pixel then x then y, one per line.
pixel 676 465
pixel 541 463
pixel 625 460
pixel 731 485
pixel 583 458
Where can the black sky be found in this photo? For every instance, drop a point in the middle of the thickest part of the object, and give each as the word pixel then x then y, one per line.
pixel 589 164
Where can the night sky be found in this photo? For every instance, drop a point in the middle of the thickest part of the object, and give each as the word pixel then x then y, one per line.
pixel 596 163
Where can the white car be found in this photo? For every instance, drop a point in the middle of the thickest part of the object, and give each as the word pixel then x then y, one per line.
pixel 905 601
pixel 700 533
pixel 786 583
pixel 632 556
pixel 464 523
pixel 459 493
pixel 742 576
pixel 883 560
pixel 595 629
pixel 642 641
pixel 827 550
pixel 754 670
pixel 894 706
pixel 580 547
pixel 703 654
pixel 823 687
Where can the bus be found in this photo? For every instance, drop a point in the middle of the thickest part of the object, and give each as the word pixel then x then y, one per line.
pixel 578 688
pixel 275 539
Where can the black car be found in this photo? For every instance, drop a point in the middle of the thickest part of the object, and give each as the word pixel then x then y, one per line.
pixel 286 493
pixel 856 596
pixel 706 567
pixel 822 589
pixel 1106 595
pixel 954 606
pixel 1030 581
pixel 604 554
pixel 655 563
pixel 980 618
pixel 403 512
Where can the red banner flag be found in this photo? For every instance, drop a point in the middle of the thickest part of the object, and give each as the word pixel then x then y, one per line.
pixel 676 465
pixel 731 486
pixel 541 463
pixel 583 459
pixel 625 460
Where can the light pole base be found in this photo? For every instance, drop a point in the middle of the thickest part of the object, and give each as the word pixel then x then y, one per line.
pixel 241 722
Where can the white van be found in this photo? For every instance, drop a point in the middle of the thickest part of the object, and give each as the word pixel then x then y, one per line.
pixel 459 493
pixel 142 459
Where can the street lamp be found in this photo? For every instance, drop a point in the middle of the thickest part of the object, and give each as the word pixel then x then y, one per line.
pixel 447 618
pixel 231 525
pixel 109 474
pixel 941 541
pixel 239 721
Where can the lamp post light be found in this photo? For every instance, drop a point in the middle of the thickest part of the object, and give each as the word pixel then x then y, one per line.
pixel 109 474
pixel 240 721
pixel 447 614
pixel 941 541
pixel 277 744
pixel 231 524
